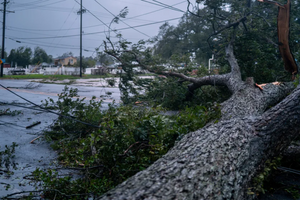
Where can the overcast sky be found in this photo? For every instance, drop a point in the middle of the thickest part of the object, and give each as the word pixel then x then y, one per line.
pixel 54 24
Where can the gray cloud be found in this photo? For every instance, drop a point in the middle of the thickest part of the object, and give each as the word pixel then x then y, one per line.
pixel 54 24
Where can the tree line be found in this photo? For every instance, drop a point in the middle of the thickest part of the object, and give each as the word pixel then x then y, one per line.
pixel 23 56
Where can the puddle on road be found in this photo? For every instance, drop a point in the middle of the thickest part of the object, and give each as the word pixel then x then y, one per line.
pixel 28 156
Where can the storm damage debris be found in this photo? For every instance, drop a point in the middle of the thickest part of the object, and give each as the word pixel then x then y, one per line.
pixel 32 125
pixel 283 30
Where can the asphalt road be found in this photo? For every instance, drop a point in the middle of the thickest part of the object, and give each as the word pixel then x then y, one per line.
pixel 37 91
pixel 29 156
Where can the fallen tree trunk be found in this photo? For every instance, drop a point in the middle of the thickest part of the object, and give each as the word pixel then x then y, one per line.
pixel 220 160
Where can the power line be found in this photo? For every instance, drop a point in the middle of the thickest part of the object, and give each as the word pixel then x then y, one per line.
pixel 39 30
pixel 168 6
pixel 92 26
pixel 155 10
pixel 20 106
pixel 39 44
pixel 93 33
pixel 46 44
pixel 94 15
pixel 120 19
pixel 24 31
pixel 30 3
pixel 41 5
pixel 163 5
pixel 50 111
pixel 64 24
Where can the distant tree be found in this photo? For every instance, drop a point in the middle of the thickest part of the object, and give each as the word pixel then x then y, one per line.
pixel 40 56
pixel 105 59
pixel 50 58
pixel 67 54
pixel 86 62
pixel 5 53
pixel 21 56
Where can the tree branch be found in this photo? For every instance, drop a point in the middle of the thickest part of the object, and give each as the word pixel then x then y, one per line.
pixel 272 2
pixel 188 9
pixel 218 161
pixel 228 26
pixel 232 80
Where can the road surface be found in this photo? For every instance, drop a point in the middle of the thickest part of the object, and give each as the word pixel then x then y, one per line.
pixel 29 156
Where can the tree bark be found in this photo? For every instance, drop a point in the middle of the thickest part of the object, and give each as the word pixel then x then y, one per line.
pixel 283 30
pixel 220 160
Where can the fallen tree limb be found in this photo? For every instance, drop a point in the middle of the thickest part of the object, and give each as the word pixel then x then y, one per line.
pixel 283 30
pixel 218 161
pixel 32 125
pixel 32 141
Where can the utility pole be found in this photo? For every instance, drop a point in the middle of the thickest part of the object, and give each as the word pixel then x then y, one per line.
pixel 3 36
pixel 80 12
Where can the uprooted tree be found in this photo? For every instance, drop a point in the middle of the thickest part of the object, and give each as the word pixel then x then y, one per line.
pixel 220 160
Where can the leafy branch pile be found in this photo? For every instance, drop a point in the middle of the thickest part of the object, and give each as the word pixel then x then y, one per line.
pixel 128 140
pixel 7 159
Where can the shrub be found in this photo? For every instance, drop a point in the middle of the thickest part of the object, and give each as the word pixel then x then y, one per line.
pixel 128 140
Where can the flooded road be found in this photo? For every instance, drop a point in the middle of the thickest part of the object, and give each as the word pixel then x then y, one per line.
pixel 14 120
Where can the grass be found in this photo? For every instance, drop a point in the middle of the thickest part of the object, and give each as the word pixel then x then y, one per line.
pixel 60 77
pixel 56 77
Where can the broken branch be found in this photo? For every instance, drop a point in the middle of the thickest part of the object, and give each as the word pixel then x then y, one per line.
pixel 32 125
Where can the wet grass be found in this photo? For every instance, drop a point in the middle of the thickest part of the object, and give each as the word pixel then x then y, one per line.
pixel 60 77
pixel 53 77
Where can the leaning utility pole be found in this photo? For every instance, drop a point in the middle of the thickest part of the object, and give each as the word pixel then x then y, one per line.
pixel 3 36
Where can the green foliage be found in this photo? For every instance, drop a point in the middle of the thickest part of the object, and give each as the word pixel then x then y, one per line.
pixel 167 92
pixel 40 56
pixel 9 112
pixel 111 82
pixel 192 42
pixel 260 59
pixel 297 80
pixel 255 40
pixel 170 93
pixel 128 140
pixel 104 59
pixel 5 53
pixel 186 38
pixel 259 180
pixel 86 62
pixel 6 157
pixel 60 186
pixel 69 104
pixel 21 55
pixel 293 191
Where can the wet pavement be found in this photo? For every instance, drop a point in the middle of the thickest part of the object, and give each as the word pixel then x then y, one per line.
pixel 29 156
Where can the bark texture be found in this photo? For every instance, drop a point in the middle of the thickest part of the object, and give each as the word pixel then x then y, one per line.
pixel 283 31
pixel 218 161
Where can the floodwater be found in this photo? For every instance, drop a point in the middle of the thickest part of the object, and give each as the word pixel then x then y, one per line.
pixel 38 154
